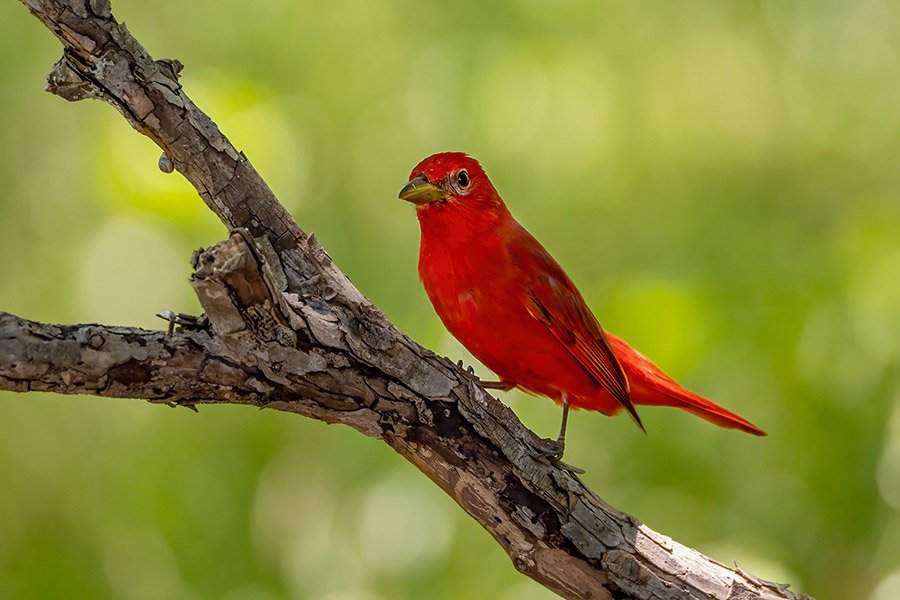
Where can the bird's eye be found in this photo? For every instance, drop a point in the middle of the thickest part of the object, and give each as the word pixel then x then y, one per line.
pixel 462 179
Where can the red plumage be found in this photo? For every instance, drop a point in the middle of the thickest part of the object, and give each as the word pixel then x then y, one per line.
pixel 502 295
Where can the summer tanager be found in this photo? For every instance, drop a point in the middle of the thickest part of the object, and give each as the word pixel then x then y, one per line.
pixel 501 294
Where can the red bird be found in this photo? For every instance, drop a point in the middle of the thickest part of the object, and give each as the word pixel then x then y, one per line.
pixel 501 294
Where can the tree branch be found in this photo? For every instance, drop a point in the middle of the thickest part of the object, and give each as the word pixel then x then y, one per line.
pixel 286 330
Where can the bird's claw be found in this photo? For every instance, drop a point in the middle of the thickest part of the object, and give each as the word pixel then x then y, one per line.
pixel 567 467
pixel 552 449
pixel 466 369
pixel 552 452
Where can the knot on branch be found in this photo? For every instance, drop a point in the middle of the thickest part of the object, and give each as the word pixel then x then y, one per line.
pixel 241 291
pixel 172 67
pixel 67 82
pixel 86 8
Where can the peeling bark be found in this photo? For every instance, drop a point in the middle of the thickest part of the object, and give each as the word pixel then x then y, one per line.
pixel 286 330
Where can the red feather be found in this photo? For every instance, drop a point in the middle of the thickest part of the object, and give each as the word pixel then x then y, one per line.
pixel 502 295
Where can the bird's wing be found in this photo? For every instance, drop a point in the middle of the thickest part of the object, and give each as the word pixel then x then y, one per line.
pixel 555 301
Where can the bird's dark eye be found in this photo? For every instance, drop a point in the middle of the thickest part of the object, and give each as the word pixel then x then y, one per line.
pixel 462 179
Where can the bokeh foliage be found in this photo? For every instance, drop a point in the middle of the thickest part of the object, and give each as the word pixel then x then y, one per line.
pixel 722 180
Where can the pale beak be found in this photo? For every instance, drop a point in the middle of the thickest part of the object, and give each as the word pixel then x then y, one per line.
pixel 421 191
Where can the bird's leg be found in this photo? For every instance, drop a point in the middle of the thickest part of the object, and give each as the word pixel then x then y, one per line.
pixel 554 450
pixel 561 438
pixel 501 385
pixel 557 448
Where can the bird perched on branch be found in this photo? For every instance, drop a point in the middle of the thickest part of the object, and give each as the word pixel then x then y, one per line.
pixel 501 294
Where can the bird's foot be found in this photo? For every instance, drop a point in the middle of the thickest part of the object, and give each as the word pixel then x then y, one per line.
pixel 552 452
pixel 567 467
pixel 465 369
pixel 552 449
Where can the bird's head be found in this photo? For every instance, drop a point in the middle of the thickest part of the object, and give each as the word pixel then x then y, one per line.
pixel 449 178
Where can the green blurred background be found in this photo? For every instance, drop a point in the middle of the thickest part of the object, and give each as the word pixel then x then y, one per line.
pixel 720 178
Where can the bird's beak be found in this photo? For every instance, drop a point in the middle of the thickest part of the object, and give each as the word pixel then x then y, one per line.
pixel 421 191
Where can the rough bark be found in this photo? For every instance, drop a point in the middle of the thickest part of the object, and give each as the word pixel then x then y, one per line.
pixel 285 329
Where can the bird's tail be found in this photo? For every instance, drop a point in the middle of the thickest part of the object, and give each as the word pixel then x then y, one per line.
pixel 648 385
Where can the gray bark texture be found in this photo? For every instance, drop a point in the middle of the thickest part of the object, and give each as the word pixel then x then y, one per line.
pixel 285 329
